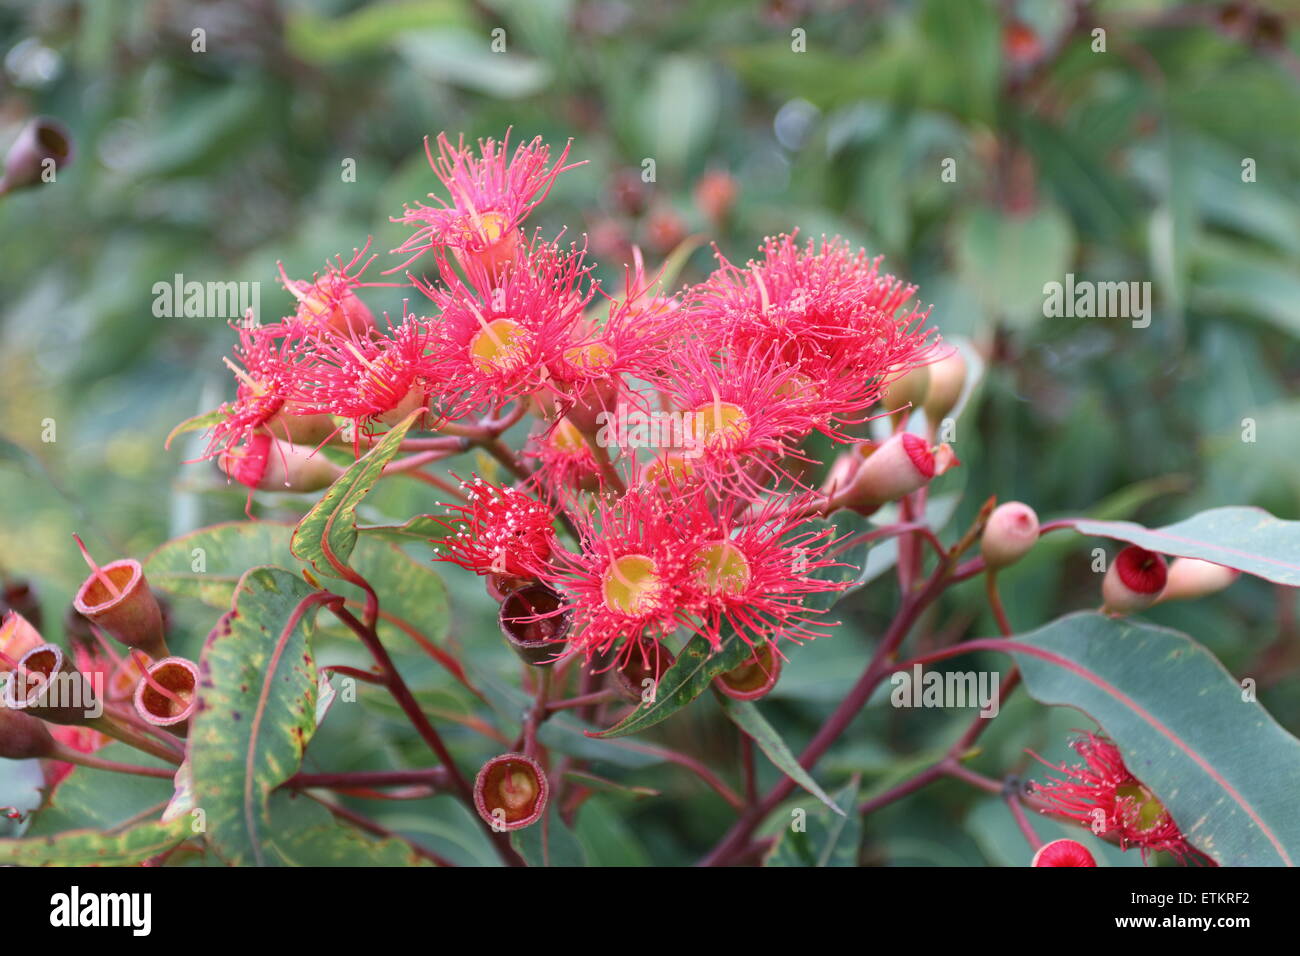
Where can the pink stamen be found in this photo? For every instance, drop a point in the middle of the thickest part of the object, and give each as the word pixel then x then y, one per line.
pixel 95 569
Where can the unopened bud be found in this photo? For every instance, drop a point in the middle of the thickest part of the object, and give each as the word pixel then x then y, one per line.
pixel 947 379
pixel 1063 853
pixel 23 737
pixel 268 464
pixel 1134 581
pixel 43 144
pixel 1193 578
pixel 1011 531
pixel 897 467
pixel 905 393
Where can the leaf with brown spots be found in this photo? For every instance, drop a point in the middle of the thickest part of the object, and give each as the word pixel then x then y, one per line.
pixel 257 713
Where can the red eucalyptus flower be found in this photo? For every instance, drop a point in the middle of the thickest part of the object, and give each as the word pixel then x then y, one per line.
pixel 1103 794
pixel 501 531
pixel 367 379
pixel 491 194
pixel 827 309
pixel 265 365
pixel 497 337
pixel 329 302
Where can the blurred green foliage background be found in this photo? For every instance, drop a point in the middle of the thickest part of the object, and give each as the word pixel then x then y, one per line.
pixel 825 115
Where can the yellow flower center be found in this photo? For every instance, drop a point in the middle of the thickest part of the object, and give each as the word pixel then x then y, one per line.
pixel 500 347
pixel 631 584
pixel 720 424
pixel 1150 811
pixel 721 568
pixel 594 355
pixel 567 438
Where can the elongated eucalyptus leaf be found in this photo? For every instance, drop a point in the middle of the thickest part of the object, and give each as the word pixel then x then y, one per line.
pixel 330 528
pixel 1223 767
pixel 196 423
pixel 256 712
pixel 821 838
pixel 419 528
pixel 128 847
pixel 548 842
pixel 688 678
pixel 207 564
pixel 1248 539
pixel 749 719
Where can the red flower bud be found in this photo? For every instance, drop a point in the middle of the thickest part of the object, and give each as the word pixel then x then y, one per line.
pixel 1011 531
pixel 897 467
pixel 752 679
pixel 535 623
pixel 23 737
pixel 1193 578
pixel 117 598
pixel 42 142
pixel 268 464
pixel 167 694
pixel 510 791
pixel 46 685
pixel 1134 581
pixel 1063 853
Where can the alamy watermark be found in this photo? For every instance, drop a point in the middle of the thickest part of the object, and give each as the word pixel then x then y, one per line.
pixel 191 299
pixel 918 688
pixel 1084 299
pixel 633 428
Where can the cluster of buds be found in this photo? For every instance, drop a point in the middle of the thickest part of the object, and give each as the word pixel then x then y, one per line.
pixel 1136 579
pixel 61 705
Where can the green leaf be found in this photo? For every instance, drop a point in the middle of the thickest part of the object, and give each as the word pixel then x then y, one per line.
pixel 304 833
pixel 548 842
pixel 197 423
pixel 1006 260
pixel 688 678
pixel 826 839
pixel 319 39
pixel 421 528
pixel 748 718
pixel 256 712
pixel 604 785
pixel 207 564
pixel 1248 539
pixel 104 799
pixel 128 847
pixel 1221 765
pixel 330 528
pixel 460 58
